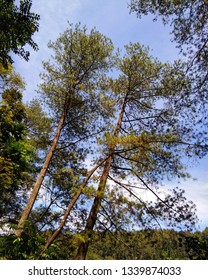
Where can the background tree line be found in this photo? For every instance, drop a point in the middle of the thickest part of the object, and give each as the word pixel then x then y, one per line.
pixel 147 244
pixel 131 116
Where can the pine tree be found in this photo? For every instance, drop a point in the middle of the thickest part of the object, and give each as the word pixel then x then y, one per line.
pixel 69 88
pixel 146 143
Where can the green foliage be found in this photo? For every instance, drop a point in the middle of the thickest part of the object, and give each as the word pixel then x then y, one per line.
pixel 12 115
pixel 149 245
pixel 79 60
pixel 28 246
pixel 10 79
pixel 148 144
pixel 18 25
pixel 146 244
pixel 38 125
pixel 196 245
pixel 16 154
pixel 73 80
pixel 23 247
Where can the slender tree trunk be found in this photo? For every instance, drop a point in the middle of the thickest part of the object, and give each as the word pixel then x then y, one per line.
pixel 88 232
pixel 34 193
pixel 63 221
pixel 83 248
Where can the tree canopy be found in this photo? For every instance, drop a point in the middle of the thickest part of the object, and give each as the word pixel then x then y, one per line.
pixel 70 89
pixel 17 26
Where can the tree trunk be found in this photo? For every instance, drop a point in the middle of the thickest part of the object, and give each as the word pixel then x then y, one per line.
pixel 83 248
pixel 88 232
pixel 63 221
pixel 34 193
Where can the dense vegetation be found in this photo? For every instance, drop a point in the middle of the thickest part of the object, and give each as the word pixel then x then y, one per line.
pixel 150 245
pixel 107 127
pixel 146 244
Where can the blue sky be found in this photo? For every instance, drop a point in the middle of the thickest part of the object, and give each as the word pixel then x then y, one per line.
pixel 112 18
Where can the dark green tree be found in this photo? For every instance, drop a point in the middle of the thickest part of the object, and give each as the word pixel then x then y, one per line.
pixel 148 244
pixel 196 244
pixel 17 26
pixel 16 155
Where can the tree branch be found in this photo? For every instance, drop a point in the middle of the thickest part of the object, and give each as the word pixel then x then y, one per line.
pixel 133 194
